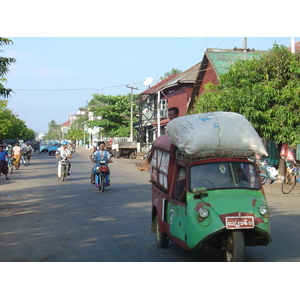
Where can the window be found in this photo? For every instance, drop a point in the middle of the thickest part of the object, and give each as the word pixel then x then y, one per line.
pixel 160 165
pixel 224 175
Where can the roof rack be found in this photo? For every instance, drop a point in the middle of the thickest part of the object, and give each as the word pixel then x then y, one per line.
pixel 245 154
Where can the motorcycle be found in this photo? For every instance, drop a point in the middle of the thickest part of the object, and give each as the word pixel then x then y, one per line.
pixel 63 168
pixel 101 175
pixel 24 160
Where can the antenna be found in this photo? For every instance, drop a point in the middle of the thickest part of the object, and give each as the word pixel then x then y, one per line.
pixel 148 81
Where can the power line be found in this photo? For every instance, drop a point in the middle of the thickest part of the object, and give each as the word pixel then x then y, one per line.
pixel 79 89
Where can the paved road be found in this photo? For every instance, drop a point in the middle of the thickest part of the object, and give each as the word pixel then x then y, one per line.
pixel 44 219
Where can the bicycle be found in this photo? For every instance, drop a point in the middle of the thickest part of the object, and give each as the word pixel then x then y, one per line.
pixel 290 179
pixel 268 174
pixel 10 165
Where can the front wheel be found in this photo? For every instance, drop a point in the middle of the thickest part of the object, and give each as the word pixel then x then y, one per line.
pixel 288 183
pixel 102 182
pixel 235 247
pixel 161 239
pixel 63 173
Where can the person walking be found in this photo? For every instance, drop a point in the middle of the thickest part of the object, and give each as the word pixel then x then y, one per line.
pixel 3 162
pixel 16 153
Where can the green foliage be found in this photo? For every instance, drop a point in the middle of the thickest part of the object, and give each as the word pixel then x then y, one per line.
pixel 12 126
pixel 265 90
pixel 54 131
pixel 168 74
pixel 114 112
pixel 5 62
pixel 74 134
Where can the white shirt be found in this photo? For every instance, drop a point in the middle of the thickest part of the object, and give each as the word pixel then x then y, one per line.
pixel 100 154
pixel 62 151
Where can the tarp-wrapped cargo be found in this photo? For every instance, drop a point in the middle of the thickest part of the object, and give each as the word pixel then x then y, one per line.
pixel 215 134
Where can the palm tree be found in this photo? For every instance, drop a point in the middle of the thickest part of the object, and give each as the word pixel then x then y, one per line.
pixel 173 71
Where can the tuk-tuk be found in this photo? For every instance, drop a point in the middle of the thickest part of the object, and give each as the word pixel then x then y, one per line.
pixel 207 202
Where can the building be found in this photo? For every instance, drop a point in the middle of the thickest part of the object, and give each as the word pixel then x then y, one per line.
pixel 183 89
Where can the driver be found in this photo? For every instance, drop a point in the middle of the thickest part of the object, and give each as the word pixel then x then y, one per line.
pixel 61 151
pixel 98 155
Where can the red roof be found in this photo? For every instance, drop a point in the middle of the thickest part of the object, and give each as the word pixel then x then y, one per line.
pixel 66 124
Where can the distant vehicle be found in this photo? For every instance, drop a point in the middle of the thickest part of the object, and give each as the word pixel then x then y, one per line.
pixel 123 147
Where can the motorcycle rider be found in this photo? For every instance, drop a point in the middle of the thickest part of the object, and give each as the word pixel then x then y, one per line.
pixel 99 155
pixel 61 151
pixel 26 150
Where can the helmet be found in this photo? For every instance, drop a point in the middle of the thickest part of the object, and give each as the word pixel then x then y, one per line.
pixel 64 143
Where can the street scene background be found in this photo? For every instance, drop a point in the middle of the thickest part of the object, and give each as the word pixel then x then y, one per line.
pixel 43 219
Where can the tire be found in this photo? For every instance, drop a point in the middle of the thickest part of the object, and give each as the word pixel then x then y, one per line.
pixel 235 247
pixel 288 183
pixel 102 183
pixel 161 239
pixel 63 173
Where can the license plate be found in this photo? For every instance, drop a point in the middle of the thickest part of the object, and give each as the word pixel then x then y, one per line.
pixel 239 222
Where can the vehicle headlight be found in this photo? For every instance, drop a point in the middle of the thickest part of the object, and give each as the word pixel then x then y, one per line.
pixel 264 211
pixel 203 213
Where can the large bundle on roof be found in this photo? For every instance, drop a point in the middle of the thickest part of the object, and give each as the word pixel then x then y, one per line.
pixel 215 134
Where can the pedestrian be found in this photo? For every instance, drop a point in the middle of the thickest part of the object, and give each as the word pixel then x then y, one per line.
pixel 173 112
pixel 3 161
pixel 16 153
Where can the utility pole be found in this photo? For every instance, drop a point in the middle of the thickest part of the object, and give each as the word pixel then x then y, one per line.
pixel 131 111
pixel 245 48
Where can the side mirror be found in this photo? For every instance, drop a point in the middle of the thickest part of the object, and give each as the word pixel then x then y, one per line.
pixel 200 192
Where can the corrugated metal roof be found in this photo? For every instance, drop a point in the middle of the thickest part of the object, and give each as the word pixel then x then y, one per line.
pixel 222 59
pixel 188 76
pixel 154 89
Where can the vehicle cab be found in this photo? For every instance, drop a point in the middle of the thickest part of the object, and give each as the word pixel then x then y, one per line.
pixel 206 202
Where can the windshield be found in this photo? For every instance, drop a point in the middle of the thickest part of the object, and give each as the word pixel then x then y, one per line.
pixel 224 175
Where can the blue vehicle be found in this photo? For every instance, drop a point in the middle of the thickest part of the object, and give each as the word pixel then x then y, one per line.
pixel 53 147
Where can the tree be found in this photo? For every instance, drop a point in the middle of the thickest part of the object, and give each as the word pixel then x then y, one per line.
pixel 168 74
pixel 54 132
pixel 5 62
pixel 76 132
pixel 12 126
pixel 265 90
pixel 114 112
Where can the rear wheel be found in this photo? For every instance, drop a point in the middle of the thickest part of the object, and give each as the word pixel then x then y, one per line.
pixel 235 247
pixel 161 239
pixel 288 183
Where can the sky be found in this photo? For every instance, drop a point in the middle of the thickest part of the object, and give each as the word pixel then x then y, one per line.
pixel 64 56
pixel 54 76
